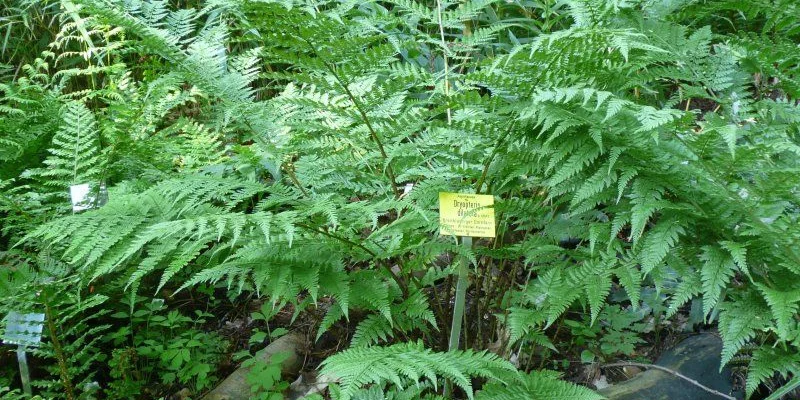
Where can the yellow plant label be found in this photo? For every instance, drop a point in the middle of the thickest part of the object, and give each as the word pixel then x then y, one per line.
pixel 462 214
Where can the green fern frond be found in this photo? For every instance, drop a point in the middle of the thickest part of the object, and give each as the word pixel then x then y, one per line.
pixel 557 293
pixel 521 321
pixel 75 155
pixel 360 366
pixel 738 324
pixel 658 242
pixel 689 287
pixel 766 362
pixel 717 270
pixel 598 284
pixel 784 305
pixel 538 385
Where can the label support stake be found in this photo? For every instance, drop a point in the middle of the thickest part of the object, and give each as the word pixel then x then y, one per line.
pixel 461 294
pixel 458 305
pixel 24 374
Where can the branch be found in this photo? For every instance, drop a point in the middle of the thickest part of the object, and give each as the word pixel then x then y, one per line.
pixel 669 371
pixel 337 237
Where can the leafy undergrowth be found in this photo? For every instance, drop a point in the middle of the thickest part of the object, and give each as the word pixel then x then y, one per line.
pixel 183 182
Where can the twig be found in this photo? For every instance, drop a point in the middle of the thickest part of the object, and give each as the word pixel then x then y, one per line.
pixel 69 390
pixel 669 371
pixel 293 178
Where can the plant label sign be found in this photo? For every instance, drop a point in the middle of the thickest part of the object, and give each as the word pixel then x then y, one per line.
pixel 86 196
pixel 463 214
pixel 24 330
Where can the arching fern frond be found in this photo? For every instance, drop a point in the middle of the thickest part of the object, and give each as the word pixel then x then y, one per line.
pixel 361 366
pixel 539 385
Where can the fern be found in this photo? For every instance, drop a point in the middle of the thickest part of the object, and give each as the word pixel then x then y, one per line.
pixel 658 242
pixel 357 367
pixel 738 325
pixel 411 314
pixel 784 308
pixel 765 363
pixel 715 273
pixel 537 385
pixel 375 393
pixel 73 327
pixel 262 148
pixel 75 155
pixel 689 287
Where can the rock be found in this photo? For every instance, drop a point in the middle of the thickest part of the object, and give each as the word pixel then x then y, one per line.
pixel 601 382
pixel 183 394
pixel 235 386
pixel 697 357
pixel 308 384
pixel 631 371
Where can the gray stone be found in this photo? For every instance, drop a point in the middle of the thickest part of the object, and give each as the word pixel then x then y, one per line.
pixel 697 357
pixel 236 387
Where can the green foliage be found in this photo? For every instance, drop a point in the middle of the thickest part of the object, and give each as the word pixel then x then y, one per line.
pixel 765 363
pixel 265 378
pixel 616 334
pixel 72 331
pixel 410 362
pixel 542 385
pixel 75 155
pixel 157 344
pixel 392 393
pixel 262 148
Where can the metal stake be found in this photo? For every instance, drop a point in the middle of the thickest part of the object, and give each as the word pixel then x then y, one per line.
pixel 461 295
pixel 458 306
pixel 24 374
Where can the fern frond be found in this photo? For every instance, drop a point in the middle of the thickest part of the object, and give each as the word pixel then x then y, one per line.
pixel 75 156
pixel 542 385
pixel 689 287
pixel 360 366
pixel 658 242
pixel 716 272
pixel 766 362
pixel 738 324
pixel 784 305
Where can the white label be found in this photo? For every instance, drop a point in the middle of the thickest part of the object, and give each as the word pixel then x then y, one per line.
pixel 81 200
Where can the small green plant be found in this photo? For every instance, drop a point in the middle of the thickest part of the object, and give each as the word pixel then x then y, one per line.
pixel 127 379
pixel 615 333
pixel 264 315
pixel 163 343
pixel 264 378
